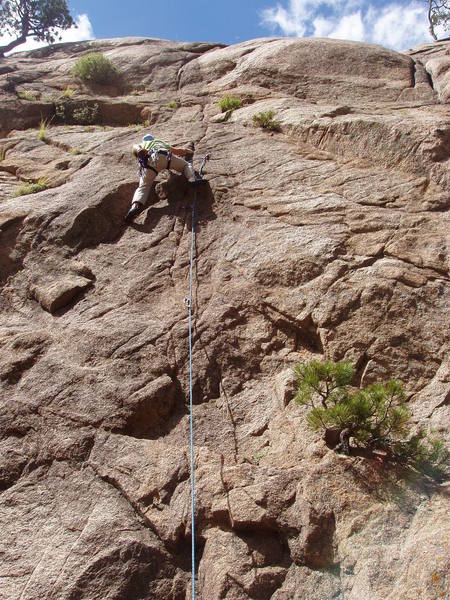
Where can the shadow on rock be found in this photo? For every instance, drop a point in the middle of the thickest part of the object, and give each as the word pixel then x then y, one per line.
pixel 100 223
pixel 152 411
pixel 10 230
pixel 180 198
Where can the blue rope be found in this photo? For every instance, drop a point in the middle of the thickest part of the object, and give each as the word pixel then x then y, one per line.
pixel 191 419
pixel 191 411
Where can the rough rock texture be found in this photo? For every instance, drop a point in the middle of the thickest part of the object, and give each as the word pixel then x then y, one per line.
pixel 329 238
pixel 435 59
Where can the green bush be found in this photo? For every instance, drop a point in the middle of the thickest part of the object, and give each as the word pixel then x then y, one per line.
pixel 427 454
pixel 32 188
pixel 375 417
pixel 266 121
pixel 83 115
pixel 173 104
pixel 86 115
pixel 95 68
pixel 229 103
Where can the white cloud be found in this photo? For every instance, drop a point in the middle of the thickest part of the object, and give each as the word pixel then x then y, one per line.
pixel 290 21
pixel 399 25
pixel 349 27
pixel 322 27
pixel 83 31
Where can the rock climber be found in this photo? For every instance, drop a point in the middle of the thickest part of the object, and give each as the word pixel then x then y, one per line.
pixel 154 156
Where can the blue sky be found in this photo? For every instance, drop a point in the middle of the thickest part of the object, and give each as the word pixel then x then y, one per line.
pixel 397 24
pixel 227 21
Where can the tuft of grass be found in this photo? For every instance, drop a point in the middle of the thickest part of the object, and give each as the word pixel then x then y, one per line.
pixel 95 68
pixel 68 92
pixel 32 188
pixel 146 123
pixel 76 151
pixel 229 103
pixel 265 120
pixel 29 96
pixel 2 154
pixel 43 127
pixel 173 104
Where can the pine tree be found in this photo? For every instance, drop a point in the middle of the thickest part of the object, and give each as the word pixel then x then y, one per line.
pixel 32 18
pixel 375 417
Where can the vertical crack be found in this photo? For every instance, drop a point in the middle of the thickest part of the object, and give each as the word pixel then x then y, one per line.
pixel 226 490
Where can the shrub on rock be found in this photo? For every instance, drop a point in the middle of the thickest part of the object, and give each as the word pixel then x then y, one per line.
pixel 229 103
pixel 86 115
pixel 265 120
pixel 375 417
pixel 95 68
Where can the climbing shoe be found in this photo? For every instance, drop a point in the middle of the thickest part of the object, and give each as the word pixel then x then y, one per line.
pixel 133 212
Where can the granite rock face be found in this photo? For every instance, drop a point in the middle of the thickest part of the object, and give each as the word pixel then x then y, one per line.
pixel 326 238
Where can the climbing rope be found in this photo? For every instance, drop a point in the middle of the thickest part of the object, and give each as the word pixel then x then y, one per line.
pixel 191 412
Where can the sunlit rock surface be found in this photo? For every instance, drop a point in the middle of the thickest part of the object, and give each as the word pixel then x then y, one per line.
pixel 328 238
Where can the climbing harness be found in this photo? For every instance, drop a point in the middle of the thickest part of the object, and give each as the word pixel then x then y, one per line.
pixel 167 154
pixel 143 162
pixel 143 158
pixel 188 301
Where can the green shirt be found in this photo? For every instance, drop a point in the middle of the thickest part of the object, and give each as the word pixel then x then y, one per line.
pixel 155 146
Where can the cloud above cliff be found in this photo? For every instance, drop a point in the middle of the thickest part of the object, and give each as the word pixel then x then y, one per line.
pixel 399 25
pixel 83 31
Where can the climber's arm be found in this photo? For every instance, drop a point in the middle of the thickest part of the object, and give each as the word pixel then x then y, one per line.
pixel 181 151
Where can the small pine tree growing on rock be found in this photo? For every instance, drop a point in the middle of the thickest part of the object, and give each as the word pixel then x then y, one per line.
pixel 375 418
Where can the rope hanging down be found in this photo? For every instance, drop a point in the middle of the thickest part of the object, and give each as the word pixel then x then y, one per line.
pixel 191 419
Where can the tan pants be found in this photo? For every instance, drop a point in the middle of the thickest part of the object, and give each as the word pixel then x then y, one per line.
pixel 145 182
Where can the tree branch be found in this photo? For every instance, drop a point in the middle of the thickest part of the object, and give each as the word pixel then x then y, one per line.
pixel 430 20
pixel 20 40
